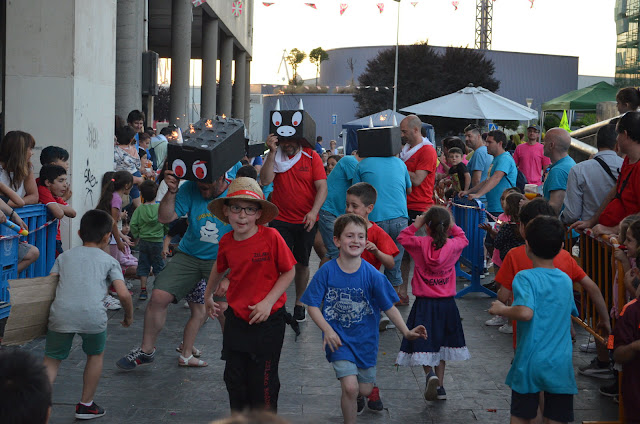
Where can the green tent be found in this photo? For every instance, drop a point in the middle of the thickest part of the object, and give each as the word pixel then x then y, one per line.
pixel 584 99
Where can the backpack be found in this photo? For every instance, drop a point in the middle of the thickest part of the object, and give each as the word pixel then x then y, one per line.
pixel 521 180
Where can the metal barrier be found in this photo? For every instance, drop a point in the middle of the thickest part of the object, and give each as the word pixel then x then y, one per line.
pixel 42 234
pixel 468 218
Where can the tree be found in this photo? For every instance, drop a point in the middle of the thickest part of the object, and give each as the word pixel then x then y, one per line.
pixel 295 58
pixel 423 74
pixel 317 56
pixel 161 103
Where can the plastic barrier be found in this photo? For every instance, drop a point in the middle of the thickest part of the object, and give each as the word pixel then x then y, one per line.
pixel 42 234
pixel 468 215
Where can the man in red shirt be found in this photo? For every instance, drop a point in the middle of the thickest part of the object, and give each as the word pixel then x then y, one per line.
pixel 299 190
pixel 421 160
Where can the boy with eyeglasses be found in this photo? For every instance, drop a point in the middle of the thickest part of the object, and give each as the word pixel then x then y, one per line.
pixel 261 267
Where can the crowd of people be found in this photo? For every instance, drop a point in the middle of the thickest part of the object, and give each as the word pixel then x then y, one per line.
pixel 244 238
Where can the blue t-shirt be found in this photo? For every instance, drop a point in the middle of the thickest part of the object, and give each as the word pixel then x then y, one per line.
pixel 543 359
pixel 557 176
pixel 390 177
pixel 351 304
pixel 480 161
pixel 506 164
pixel 338 182
pixel 204 230
pixel 231 173
pixel 319 148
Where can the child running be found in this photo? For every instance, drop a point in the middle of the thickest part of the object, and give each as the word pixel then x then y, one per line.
pixel 434 285
pixel 261 267
pixel 351 294
pixel 78 307
pixel 542 303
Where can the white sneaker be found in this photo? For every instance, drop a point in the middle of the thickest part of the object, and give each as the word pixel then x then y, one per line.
pixel 575 251
pixel 129 284
pixel 186 305
pixel 588 347
pixel 384 322
pixel 112 303
pixel 506 329
pixel 496 321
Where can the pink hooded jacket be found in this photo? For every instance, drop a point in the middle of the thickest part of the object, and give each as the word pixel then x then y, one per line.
pixel 434 274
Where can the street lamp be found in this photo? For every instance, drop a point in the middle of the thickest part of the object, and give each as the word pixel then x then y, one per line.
pixel 529 101
pixel 395 75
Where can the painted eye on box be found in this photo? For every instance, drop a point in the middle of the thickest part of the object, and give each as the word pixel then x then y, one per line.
pixel 276 119
pixel 199 169
pixel 296 119
pixel 179 168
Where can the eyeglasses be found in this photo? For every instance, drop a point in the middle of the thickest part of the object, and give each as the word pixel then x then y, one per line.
pixel 249 210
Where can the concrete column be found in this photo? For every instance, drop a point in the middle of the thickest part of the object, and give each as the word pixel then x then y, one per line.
pixel 226 58
pixel 209 61
pixel 247 94
pixel 129 47
pixel 181 17
pixel 60 87
pixel 239 85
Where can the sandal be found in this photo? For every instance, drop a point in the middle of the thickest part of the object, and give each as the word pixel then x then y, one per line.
pixel 186 362
pixel 195 351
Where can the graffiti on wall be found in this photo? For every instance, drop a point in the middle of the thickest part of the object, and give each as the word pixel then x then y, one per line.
pixel 90 183
pixel 92 137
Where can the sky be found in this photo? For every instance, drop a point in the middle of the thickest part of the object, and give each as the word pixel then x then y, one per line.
pixel 583 28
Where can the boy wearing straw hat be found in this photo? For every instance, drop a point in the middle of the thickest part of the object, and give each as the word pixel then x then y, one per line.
pixel 261 268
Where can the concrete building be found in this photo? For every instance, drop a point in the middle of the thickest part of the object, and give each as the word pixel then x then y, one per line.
pixel 66 67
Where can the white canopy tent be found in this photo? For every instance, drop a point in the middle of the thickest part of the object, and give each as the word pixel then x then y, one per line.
pixel 474 103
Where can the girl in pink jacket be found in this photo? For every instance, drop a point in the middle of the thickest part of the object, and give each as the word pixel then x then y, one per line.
pixel 434 285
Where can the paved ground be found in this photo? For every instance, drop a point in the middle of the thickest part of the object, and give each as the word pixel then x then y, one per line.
pixel 163 392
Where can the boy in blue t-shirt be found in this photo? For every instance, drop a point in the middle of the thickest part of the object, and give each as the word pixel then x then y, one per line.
pixel 543 359
pixel 351 293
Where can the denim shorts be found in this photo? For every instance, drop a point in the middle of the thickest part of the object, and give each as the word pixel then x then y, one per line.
pixel 345 368
pixel 325 226
pixel 150 256
pixel 393 228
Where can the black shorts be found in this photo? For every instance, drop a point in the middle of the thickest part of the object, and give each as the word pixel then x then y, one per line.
pixel 299 240
pixel 557 407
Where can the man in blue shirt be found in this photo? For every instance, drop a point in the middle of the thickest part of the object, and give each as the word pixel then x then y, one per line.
pixel 502 175
pixel 319 148
pixel 480 161
pixel 194 260
pixel 556 148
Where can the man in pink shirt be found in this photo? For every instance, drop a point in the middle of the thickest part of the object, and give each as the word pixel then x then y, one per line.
pixel 530 158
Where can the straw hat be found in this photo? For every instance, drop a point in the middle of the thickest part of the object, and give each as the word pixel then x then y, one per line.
pixel 244 188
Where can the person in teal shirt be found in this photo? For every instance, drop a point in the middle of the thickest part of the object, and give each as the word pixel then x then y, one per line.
pixel 556 147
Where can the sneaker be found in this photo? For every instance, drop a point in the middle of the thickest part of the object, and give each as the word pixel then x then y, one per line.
pixel 112 303
pixel 496 321
pixel 493 286
pixel 594 369
pixel 442 395
pixel 129 284
pixel 84 412
pixel 134 358
pixel 112 290
pixel 373 401
pixel 382 325
pixel 431 387
pixel 360 403
pixel 143 295
pixel 506 329
pixel 588 347
pixel 610 390
pixel 300 314
pixel 186 305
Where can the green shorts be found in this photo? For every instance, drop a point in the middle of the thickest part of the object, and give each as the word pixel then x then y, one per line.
pixel 58 345
pixel 181 275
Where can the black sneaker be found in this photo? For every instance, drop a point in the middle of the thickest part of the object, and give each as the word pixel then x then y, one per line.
pixel 610 390
pixel 299 313
pixel 431 387
pixel 596 369
pixel 134 358
pixel 360 403
pixel 374 402
pixel 442 395
pixel 84 412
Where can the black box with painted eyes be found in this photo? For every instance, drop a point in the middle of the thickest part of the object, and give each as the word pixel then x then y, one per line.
pixel 295 125
pixel 210 148
pixel 379 142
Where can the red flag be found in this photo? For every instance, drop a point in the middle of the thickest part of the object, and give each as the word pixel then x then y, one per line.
pixel 343 8
pixel 197 3
pixel 236 8
pixel 380 6
pixel 455 4
pixel 532 3
pixel 311 5
pixel 266 4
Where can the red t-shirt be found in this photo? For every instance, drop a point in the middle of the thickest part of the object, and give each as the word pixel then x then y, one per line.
pixel 45 197
pixel 421 197
pixel 383 242
pixel 629 202
pixel 517 260
pixel 294 191
pixel 255 264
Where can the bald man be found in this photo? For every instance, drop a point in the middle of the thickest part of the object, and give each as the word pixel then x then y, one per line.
pixel 556 148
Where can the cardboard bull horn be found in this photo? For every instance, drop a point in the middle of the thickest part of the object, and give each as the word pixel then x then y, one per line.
pixel 379 141
pixel 294 125
pixel 209 148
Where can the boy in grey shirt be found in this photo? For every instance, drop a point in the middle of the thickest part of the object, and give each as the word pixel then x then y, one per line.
pixel 85 273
